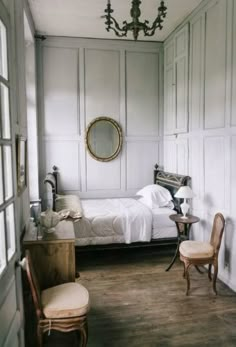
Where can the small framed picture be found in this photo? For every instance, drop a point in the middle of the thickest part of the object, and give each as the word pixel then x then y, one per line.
pixel 21 163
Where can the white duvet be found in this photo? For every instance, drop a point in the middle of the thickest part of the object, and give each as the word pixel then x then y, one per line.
pixel 114 220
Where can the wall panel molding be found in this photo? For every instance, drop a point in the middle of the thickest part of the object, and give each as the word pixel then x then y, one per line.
pixel 142 93
pixel 60 77
pixel 233 73
pixel 196 83
pixel 214 172
pixel 102 77
pixel 215 66
pixel 140 167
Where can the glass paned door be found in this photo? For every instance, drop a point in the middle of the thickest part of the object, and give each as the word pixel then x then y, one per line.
pixel 2 243
pixel 10 225
pixel 5 112
pixel 7 197
pixel 8 179
pixel 3 50
pixel 1 178
pixel 11 319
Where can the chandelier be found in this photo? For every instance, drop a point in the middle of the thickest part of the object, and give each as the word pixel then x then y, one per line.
pixel 135 26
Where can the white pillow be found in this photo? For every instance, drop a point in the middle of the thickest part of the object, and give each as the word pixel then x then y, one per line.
pixel 69 206
pixel 154 196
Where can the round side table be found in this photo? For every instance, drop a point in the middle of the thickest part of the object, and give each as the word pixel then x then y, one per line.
pixel 183 226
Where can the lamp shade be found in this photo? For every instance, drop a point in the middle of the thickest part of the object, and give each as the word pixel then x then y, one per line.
pixel 184 192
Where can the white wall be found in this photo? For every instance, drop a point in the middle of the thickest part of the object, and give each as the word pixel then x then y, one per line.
pixel 83 79
pixel 210 145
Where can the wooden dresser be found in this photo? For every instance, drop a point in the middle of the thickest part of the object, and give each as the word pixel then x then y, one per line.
pixel 53 254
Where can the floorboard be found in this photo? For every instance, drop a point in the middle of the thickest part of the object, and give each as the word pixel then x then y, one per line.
pixel 135 302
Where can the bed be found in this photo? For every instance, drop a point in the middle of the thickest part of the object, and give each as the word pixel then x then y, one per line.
pixel 123 221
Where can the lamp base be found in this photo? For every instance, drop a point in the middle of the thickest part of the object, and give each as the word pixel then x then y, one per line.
pixel 184 208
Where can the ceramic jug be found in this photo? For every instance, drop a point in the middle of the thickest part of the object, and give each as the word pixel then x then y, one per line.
pixel 49 219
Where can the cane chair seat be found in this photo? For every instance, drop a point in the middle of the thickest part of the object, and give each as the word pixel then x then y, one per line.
pixel 65 300
pixel 196 249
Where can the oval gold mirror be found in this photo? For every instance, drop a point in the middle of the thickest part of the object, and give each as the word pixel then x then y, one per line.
pixel 104 138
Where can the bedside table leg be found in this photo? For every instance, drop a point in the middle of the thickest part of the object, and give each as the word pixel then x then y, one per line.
pixel 175 256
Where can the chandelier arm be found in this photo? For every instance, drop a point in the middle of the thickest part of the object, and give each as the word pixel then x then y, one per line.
pixel 117 32
pixel 113 21
pixel 149 33
pixel 156 24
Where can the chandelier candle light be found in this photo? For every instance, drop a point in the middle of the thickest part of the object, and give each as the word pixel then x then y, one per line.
pixel 135 25
pixel 184 192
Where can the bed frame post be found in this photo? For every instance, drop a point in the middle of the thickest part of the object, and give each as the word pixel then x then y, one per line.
pixel 156 169
pixel 52 178
pixel 55 174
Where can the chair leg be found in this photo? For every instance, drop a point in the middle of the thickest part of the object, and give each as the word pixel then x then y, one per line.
pixel 39 336
pixel 215 277
pixel 83 335
pixel 187 278
pixel 184 273
pixel 198 270
pixel 209 272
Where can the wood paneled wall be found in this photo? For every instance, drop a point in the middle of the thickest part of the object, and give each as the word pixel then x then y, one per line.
pixel 84 79
pixel 207 150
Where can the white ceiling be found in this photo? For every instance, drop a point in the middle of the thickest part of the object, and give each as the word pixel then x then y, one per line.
pixel 82 18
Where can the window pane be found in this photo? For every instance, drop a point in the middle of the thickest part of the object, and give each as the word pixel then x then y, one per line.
pixel 10 223
pixel 4 97
pixel 3 51
pixel 2 243
pixel 1 179
pixel 7 161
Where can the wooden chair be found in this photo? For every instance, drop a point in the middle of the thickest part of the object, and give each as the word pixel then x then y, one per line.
pixel 63 307
pixel 203 253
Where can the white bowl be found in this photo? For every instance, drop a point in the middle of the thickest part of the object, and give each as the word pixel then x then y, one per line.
pixel 49 219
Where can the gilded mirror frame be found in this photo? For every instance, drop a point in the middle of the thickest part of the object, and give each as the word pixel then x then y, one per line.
pixel 118 129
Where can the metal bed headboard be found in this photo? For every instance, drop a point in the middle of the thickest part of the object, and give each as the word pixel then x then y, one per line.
pixel 168 180
pixel 172 182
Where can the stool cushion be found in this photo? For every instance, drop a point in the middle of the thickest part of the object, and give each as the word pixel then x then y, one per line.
pixel 196 249
pixel 65 300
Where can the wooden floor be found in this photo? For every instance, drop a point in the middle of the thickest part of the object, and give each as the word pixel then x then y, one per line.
pixel 135 302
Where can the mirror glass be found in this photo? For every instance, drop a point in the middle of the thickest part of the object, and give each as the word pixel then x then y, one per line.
pixel 104 138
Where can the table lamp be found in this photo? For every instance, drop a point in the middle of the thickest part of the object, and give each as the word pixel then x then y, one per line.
pixel 184 192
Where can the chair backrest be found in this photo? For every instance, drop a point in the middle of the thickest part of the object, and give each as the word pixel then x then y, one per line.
pixel 217 231
pixel 34 284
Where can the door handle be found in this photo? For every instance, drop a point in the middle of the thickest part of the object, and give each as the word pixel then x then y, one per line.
pixel 21 263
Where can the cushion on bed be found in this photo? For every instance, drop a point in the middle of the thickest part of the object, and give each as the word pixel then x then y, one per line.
pixel 69 206
pixel 154 196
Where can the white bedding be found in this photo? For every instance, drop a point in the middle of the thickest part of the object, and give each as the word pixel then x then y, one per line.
pixel 113 220
pixel 162 225
pixel 122 220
